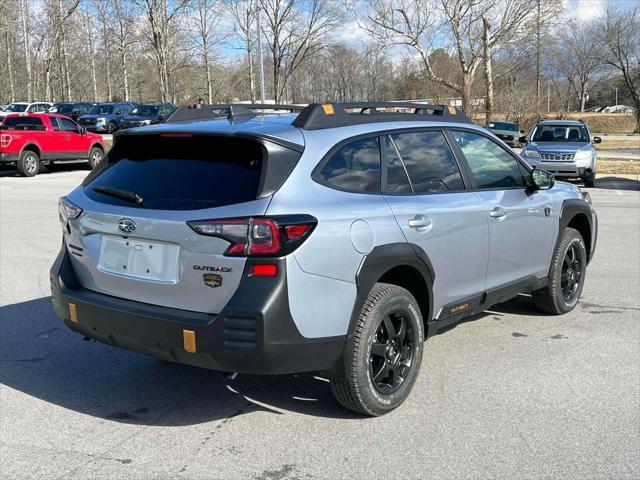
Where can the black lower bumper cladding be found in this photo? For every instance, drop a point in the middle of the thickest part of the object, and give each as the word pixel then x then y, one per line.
pixel 253 334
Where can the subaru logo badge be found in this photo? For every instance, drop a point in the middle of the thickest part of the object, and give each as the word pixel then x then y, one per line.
pixel 126 225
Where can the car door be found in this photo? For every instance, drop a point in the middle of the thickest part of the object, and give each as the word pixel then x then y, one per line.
pixel 520 221
pixel 425 188
pixel 75 143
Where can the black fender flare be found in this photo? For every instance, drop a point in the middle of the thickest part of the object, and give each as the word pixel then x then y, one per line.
pixel 382 259
pixel 570 208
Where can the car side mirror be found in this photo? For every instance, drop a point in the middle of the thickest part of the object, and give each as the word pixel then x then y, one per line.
pixel 597 140
pixel 521 131
pixel 522 139
pixel 540 180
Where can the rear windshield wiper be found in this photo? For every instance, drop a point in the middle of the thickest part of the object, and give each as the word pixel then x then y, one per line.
pixel 123 194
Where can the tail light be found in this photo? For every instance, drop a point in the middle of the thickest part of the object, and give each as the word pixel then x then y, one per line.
pixel 258 236
pixel 5 140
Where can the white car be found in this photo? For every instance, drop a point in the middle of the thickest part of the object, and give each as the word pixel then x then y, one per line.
pixel 25 107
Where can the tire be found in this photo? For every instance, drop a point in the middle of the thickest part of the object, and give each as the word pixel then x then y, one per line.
pixel 111 128
pixel 95 157
pixel 589 182
pixel 395 358
pixel 566 277
pixel 29 163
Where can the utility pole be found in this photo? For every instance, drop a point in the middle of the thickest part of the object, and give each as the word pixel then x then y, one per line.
pixel 260 54
pixel 538 59
pixel 548 96
pixel 616 95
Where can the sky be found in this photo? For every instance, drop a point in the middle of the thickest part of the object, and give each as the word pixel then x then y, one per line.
pixel 587 10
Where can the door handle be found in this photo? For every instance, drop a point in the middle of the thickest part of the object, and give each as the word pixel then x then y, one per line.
pixel 419 221
pixel 67 137
pixel 497 212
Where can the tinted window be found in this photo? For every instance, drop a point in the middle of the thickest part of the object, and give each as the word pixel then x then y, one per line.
pixel 67 125
pixel 491 165
pixel 16 107
pixel 354 167
pixel 54 124
pixel 102 110
pixel 427 160
pixel 181 173
pixel 64 108
pixel 13 121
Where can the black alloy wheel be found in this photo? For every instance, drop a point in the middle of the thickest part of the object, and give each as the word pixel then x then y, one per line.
pixel 391 352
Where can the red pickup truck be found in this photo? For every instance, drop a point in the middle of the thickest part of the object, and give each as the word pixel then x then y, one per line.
pixel 34 139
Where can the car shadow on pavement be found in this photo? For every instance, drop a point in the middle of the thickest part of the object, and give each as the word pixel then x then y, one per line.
pixel 41 357
pixel 49 169
pixel 617 183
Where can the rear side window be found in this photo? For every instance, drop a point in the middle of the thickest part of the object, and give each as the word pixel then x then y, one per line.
pixel 186 173
pixel 491 165
pixel 355 167
pixel 421 162
pixel 23 121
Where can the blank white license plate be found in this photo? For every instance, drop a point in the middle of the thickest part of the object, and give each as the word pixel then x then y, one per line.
pixel 141 259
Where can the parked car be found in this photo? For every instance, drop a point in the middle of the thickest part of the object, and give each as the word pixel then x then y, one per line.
pixel 334 239
pixel 105 117
pixel 73 110
pixel 29 140
pixel 508 132
pixel 564 148
pixel 147 114
pixel 25 107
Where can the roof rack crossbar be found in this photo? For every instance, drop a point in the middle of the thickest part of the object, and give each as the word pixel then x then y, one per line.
pixel 224 110
pixel 330 115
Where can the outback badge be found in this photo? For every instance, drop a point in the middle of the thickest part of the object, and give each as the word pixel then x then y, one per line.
pixel 212 280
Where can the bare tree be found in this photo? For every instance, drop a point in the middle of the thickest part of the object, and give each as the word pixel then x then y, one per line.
pixel 578 57
pixel 124 37
pixel 162 15
pixel 502 22
pixel 618 33
pixel 104 15
pixel 26 28
pixel 294 33
pixel 415 24
pixel 206 19
pixel 244 13
pixel 90 26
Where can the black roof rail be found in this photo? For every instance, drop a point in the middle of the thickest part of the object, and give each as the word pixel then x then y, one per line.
pixel 224 110
pixel 330 115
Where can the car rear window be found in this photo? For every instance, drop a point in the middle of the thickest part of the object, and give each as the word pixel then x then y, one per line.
pixel 180 173
pixel 23 121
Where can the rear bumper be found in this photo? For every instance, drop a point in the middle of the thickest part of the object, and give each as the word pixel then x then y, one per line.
pixel 9 157
pixel 253 334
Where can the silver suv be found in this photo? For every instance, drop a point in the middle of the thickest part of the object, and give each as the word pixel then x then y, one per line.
pixel 563 147
pixel 334 239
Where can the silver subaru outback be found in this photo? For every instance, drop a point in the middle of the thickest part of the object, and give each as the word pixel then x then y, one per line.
pixel 563 148
pixel 334 239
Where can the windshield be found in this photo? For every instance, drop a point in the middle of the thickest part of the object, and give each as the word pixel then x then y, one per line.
pixel 560 133
pixel 145 111
pixel 102 110
pixel 16 107
pixel 511 127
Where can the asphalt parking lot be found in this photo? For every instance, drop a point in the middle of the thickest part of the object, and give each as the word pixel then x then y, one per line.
pixel 513 394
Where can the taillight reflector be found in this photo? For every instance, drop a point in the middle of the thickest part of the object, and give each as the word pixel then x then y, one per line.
pixel 5 140
pixel 264 270
pixel 258 236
